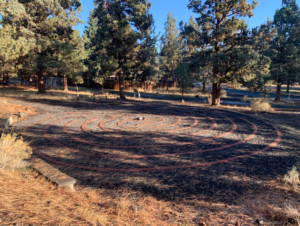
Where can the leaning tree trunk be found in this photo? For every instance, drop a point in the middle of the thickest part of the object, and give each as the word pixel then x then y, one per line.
pixel 278 90
pixel 41 85
pixel 5 79
pixel 216 94
pixel 121 85
pixel 288 87
pixel 203 86
pixel 66 83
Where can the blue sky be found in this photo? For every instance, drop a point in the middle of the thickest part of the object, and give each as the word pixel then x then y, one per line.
pixel 160 9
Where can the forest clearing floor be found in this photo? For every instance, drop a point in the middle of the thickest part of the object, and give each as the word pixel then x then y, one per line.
pixel 182 164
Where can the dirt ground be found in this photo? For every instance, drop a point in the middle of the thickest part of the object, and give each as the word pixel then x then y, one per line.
pixel 246 189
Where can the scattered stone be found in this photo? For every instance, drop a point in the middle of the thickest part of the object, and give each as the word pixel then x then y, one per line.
pixel 24 165
pixel 28 109
pixel 182 101
pixel 259 222
pixel 141 118
pixel 21 114
pixel 9 122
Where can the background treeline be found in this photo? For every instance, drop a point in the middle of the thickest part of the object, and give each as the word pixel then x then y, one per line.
pixel 39 38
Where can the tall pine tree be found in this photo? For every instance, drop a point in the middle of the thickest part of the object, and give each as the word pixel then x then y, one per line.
pixel 226 37
pixel 48 22
pixel 172 46
pixel 285 48
pixel 122 27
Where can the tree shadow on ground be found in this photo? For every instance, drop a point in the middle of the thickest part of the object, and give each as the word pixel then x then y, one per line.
pixel 223 182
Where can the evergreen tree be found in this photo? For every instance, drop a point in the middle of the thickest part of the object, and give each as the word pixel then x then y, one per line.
pixel 48 22
pixel 183 79
pixel 171 49
pixel 226 37
pixel 122 27
pixel 190 34
pixel 90 44
pixel 68 57
pixel 285 49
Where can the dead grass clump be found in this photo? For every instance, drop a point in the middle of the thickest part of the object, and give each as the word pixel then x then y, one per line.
pixel 261 106
pixel 29 199
pixel 12 151
pixel 223 93
pixel 292 177
pixel 293 212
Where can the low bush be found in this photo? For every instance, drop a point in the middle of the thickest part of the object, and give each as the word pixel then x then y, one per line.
pixel 261 106
pixel 12 151
pixel 223 93
pixel 292 177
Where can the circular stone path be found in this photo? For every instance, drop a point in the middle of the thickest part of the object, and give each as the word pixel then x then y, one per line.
pixel 176 151
pixel 166 138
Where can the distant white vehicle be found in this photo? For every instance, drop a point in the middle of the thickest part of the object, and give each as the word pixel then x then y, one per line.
pixel 197 85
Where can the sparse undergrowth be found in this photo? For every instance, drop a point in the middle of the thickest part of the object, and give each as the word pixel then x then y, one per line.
pixel 12 151
pixel 28 198
pixel 261 105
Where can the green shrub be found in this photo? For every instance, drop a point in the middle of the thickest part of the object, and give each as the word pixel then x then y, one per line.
pixel 12 151
pixel 261 106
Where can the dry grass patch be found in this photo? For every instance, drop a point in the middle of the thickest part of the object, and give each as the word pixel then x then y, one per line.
pixel 261 105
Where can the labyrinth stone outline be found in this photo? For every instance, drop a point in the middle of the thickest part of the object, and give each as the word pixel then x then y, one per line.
pixel 168 138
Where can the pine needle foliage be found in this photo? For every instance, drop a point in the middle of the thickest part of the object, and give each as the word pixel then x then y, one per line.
pixel 123 25
pixel 172 46
pixel 225 41
pixel 285 48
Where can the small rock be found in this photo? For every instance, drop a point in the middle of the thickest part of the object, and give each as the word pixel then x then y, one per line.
pixel 259 222
pixel 24 165
pixel 182 101
pixel 141 118
pixel 9 122
pixel 21 114
pixel 28 109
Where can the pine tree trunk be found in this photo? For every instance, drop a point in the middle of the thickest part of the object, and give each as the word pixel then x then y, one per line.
pixel 36 81
pixel 5 79
pixel 66 83
pixel 278 90
pixel 41 85
pixel 22 80
pixel 288 87
pixel 77 91
pixel 203 86
pixel 216 94
pixel 121 85
pixel 168 84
